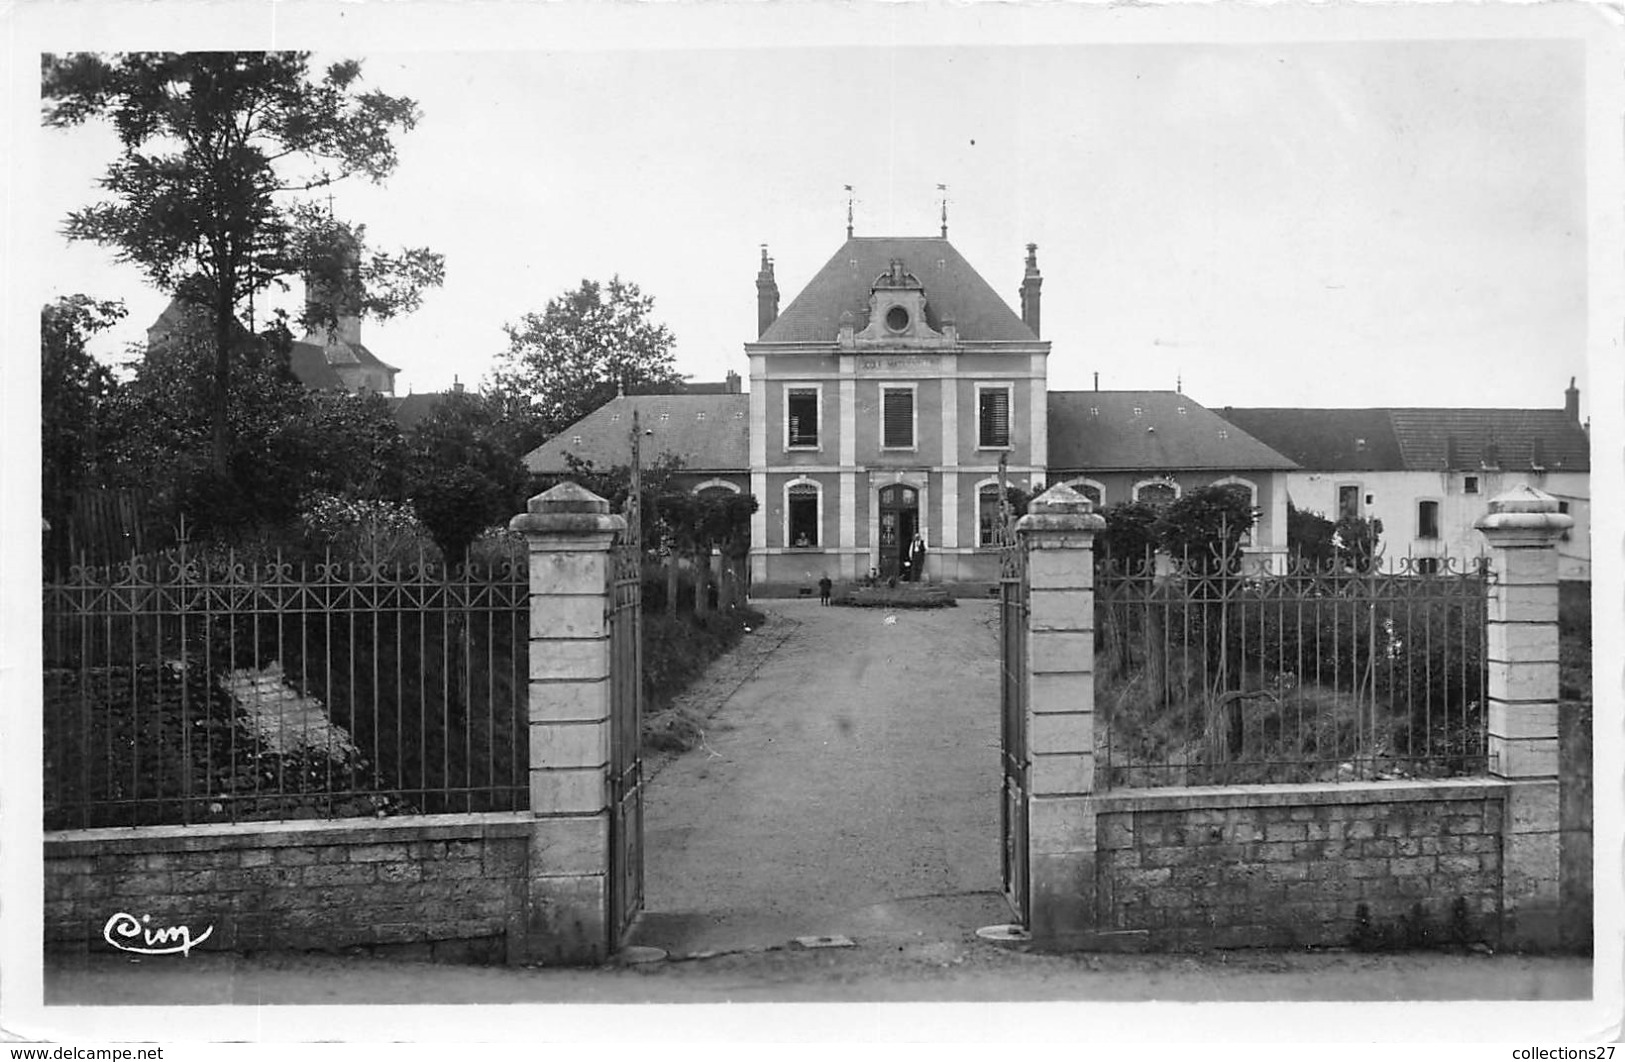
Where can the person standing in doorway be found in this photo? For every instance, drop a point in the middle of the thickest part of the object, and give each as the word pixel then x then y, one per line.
pixel 916 558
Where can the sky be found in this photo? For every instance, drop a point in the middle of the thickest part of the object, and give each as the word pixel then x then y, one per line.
pixel 1267 224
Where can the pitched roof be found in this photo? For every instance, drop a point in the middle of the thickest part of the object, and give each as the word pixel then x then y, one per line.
pixel 1425 438
pixel 953 291
pixel 708 433
pixel 1147 431
pixel 1421 438
pixel 309 363
pixel 409 410
pixel 1329 440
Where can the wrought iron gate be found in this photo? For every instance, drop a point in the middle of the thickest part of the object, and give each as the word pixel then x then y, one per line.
pixel 625 601
pixel 1013 696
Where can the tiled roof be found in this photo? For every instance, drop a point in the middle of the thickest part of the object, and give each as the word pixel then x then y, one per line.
pixel 1147 431
pixel 309 363
pixel 709 433
pixel 1420 439
pixel 1425 436
pixel 953 291
pixel 409 410
pixel 1328 440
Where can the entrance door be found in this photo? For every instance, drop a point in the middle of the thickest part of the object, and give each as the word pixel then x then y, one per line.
pixel 899 520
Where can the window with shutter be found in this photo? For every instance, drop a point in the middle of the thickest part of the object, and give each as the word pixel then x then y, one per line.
pixel 897 418
pixel 993 418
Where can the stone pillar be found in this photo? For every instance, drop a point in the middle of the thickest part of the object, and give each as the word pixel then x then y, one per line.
pixel 1523 527
pixel 569 531
pixel 1058 535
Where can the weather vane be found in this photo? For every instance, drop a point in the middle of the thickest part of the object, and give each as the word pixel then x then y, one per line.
pixel 848 188
pixel 944 190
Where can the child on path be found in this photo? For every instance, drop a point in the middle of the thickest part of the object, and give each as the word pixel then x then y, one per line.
pixel 824 586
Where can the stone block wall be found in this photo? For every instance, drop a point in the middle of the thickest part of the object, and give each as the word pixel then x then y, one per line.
pixel 1282 866
pixel 431 887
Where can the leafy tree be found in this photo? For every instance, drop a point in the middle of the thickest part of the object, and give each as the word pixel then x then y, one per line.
pixel 1203 528
pixel 216 148
pixel 351 446
pixel 76 392
pixel 1309 536
pixel 1129 538
pixel 460 478
pixel 575 355
pixel 1351 542
pixel 722 522
pixel 163 427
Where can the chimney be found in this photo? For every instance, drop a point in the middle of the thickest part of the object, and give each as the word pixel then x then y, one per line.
pixel 1030 283
pixel 1571 401
pixel 732 382
pixel 767 295
pixel 336 289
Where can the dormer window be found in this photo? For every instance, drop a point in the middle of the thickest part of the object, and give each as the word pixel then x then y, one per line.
pixel 700 415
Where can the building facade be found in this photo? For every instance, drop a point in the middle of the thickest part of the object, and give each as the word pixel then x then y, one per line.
pixel 1428 473
pixel 882 401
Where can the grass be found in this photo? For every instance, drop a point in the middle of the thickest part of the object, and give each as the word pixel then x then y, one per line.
pixel 676 652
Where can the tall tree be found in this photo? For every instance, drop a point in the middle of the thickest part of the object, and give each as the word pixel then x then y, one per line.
pixel 76 392
pixel 584 347
pixel 217 148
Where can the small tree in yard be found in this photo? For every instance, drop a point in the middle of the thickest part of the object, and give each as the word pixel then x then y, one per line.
pixel 587 345
pixel 460 477
pixel 1204 527
pixel 723 523
pixel 1313 540
pixel 216 147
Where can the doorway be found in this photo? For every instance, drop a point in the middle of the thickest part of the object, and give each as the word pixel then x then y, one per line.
pixel 899 522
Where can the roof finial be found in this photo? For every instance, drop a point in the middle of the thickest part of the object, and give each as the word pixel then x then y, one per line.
pixel 848 210
pixel 1179 383
pixel 944 190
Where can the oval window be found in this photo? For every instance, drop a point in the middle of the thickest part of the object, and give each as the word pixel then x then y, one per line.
pixel 896 318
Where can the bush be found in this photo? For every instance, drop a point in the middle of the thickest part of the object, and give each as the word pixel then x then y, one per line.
pixel 677 650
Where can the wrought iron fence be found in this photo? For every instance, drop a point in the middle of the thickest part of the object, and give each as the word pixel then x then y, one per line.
pixel 191 687
pixel 1217 671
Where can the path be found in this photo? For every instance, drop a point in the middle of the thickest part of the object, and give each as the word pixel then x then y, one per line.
pixel 848 786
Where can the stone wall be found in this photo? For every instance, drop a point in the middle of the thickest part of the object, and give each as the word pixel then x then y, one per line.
pixel 1282 866
pixel 432 887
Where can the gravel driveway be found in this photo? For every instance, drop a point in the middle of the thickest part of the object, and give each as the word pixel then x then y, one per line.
pixel 848 785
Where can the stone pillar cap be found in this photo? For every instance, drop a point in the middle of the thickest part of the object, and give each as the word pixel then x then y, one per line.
pixel 1523 499
pixel 568 497
pixel 567 509
pixel 1061 509
pixel 1527 511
